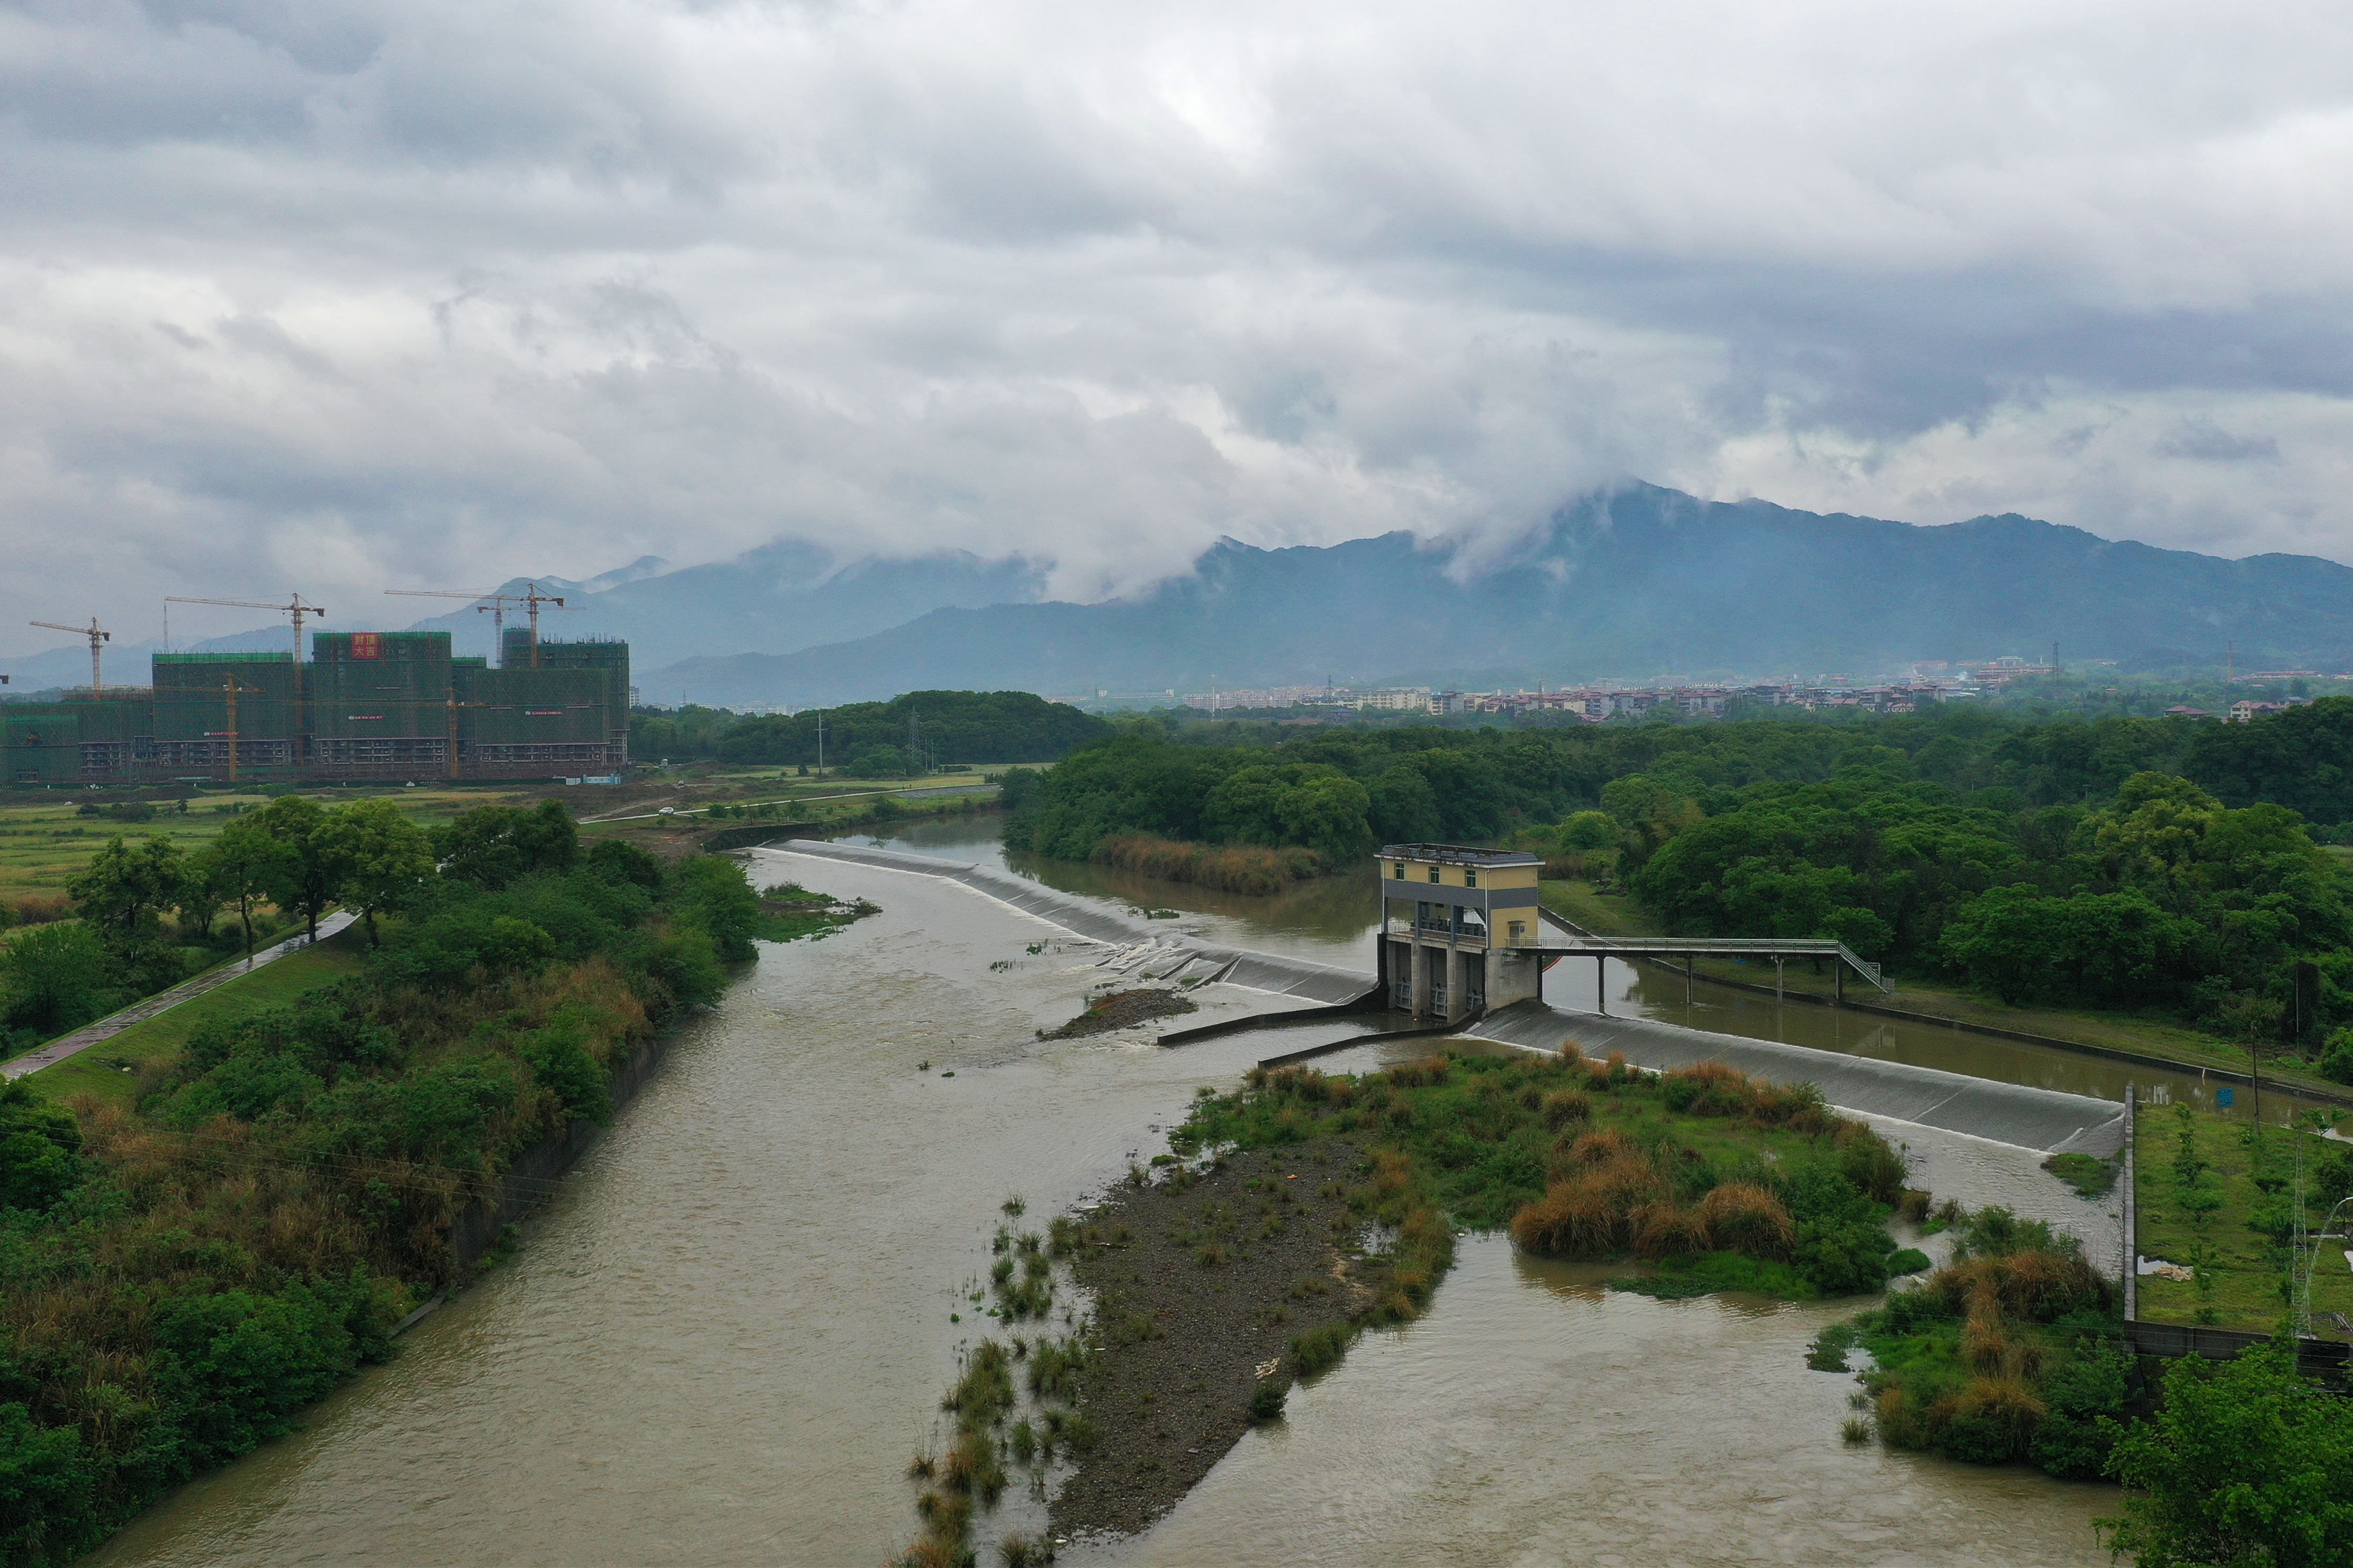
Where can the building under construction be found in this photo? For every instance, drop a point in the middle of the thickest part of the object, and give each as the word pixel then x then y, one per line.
pixel 367 705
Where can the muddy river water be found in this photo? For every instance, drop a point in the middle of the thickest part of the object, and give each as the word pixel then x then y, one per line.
pixel 723 1340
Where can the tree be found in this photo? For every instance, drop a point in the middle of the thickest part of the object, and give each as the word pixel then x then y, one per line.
pixel 124 890
pixel 37 1149
pixel 492 845
pixel 307 874
pixel 55 977
pixel 386 859
pixel 240 868
pixel 2246 1463
pixel 712 896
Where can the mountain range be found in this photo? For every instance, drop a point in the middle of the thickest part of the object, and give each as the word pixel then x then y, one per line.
pixel 1625 583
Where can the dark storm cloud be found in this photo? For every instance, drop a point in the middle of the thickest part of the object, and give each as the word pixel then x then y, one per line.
pixel 344 293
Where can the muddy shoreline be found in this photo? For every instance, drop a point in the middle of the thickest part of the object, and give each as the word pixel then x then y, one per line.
pixel 1124 1009
pixel 1200 1283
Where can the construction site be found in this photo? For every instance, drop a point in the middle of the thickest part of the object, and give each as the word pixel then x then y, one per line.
pixel 377 706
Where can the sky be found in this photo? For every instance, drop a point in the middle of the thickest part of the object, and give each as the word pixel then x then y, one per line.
pixel 335 296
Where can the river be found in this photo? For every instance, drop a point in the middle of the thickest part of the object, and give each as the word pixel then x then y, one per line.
pixel 723 1340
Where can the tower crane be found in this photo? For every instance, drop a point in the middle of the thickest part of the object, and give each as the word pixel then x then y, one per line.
pixel 96 635
pixel 296 607
pixel 496 605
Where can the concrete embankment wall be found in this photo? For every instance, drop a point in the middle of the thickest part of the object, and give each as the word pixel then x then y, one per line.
pixel 1168 956
pixel 2013 1113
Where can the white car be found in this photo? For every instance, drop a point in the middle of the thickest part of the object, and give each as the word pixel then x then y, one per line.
pixel 667 811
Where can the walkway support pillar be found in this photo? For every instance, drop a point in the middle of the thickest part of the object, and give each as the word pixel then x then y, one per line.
pixel 1458 988
pixel 1779 973
pixel 1420 980
pixel 1601 984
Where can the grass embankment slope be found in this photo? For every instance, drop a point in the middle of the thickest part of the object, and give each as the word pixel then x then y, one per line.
pixel 2208 1200
pixel 1697 1181
pixel 152 1043
pixel 1620 914
pixel 181 1272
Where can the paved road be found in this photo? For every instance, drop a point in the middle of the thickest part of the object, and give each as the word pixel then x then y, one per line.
pixel 113 1024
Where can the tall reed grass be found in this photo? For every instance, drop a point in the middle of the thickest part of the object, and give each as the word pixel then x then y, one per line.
pixel 1232 867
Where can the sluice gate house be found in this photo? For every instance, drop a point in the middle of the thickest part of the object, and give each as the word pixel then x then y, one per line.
pixel 1459 929
pixel 365 706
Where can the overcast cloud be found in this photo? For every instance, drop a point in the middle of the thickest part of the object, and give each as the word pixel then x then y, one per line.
pixel 341 295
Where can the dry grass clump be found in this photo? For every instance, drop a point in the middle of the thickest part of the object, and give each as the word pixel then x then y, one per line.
pixel 1740 1216
pixel 2033 1284
pixel 1427 1073
pixel 1565 1106
pixel 1716 1089
pixel 1593 1213
pixel 1602 1076
pixel 1665 1228
pixel 1599 1147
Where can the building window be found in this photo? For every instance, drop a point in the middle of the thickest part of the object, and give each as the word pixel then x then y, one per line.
pixel 1400 873
pixel 1519 932
pixel 1433 873
pixel 1470 876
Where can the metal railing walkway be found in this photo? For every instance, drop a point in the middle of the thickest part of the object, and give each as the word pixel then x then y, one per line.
pixel 1779 949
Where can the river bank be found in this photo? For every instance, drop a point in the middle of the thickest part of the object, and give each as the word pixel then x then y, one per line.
pixel 2155 1042
pixel 707 1350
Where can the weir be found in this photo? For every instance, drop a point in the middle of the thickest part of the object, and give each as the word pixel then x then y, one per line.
pixel 1152 955
pixel 2049 1121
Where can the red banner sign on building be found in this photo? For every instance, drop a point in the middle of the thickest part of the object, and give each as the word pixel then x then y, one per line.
pixel 367 645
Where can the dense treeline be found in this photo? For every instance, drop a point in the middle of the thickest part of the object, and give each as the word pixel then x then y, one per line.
pixel 181 1279
pixel 872 740
pixel 2119 862
pixel 150 913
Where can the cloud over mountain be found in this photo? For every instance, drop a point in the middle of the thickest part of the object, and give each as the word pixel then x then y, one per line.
pixel 351 293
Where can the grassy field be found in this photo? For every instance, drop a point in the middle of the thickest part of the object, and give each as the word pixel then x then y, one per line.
pixel 2211 1226
pixel 44 842
pixel 1617 915
pixel 109 1070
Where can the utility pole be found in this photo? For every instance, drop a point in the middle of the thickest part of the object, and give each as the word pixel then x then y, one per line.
pixel 96 635
pixel 821 742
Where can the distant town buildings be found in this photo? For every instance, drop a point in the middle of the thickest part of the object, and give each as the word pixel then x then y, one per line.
pixel 1930 683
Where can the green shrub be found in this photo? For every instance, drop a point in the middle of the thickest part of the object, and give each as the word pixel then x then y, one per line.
pixel 1318 1350
pixel 1267 1398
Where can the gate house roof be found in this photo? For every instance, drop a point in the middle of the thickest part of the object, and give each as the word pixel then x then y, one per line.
pixel 1458 855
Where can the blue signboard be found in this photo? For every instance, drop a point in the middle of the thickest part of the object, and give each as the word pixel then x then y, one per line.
pixel 2223 1096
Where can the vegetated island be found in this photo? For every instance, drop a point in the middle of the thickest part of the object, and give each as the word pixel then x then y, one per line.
pixel 187 1267
pixel 1219 1280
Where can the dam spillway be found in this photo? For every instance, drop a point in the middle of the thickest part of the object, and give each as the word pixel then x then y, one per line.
pixel 2021 1115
